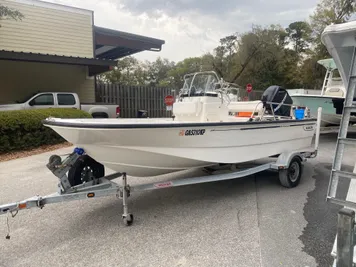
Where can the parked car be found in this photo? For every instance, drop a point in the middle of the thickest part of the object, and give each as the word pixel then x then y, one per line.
pixel 64 100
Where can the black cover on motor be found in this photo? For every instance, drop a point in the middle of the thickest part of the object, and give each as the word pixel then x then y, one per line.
pixel 277 94
pixel 142 113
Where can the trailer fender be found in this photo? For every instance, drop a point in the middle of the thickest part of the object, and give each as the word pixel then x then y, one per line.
pixel 285 159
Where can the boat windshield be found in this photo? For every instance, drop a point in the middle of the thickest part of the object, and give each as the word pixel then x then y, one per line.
pixel 335 79
pixel 232 90
pixel 200 84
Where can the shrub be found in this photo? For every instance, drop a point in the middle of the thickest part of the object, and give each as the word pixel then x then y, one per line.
pixel 23 129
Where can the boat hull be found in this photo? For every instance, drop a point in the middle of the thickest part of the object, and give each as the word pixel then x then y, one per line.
pixel 147 150
pixel 329 114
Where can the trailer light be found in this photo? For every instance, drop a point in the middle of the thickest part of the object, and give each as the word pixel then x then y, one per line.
pixel 22 206
pixel 280 167
pixel 91 195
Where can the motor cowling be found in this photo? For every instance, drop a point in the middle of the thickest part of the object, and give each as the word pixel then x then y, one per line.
pixel 278 96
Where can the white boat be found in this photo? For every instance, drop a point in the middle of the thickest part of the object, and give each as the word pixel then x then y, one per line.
pixel 200 134
pixel 331 98
pixel 340 42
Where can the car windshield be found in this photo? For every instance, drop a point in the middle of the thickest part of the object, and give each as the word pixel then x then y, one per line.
pixel 24 99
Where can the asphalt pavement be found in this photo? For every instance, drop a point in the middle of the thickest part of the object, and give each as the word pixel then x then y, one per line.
pixel 252 221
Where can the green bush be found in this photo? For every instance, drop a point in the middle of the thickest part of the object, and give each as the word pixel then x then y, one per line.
pixel 23 129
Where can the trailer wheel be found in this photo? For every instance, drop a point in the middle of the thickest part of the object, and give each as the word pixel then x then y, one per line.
pixel 128 220
pixel 291 176
pixel 84 169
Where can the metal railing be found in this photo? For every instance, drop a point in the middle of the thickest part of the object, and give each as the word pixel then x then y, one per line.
pixel 273 110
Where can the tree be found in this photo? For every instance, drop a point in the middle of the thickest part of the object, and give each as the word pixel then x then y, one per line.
pixel 326 13
pixel 157 72
pixel 223 58
pixel 128 71
pixel 299 33
pixel 329 12
pixel 311 73
pixel 9 13
pixel 257 49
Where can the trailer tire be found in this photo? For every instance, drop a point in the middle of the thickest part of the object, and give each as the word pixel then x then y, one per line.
pixel 291 176
pixel 79 172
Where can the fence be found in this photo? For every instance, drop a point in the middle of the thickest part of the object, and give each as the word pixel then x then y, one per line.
pixel 254 95
pixel 132 99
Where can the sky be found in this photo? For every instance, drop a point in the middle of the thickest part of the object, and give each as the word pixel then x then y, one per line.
pixel 190 27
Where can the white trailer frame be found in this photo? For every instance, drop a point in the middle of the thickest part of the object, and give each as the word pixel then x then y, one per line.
pixel 101 187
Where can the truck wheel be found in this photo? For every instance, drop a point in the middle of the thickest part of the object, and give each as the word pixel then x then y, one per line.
pixel 291 176
pixel 100 115
pixel 84 169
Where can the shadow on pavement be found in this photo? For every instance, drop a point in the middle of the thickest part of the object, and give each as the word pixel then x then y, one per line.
pixel 319 234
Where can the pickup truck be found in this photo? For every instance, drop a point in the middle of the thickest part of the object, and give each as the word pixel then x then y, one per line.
pixel 64 100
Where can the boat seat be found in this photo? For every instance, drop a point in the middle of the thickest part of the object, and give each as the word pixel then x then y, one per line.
pixel 334 92
pixel 245 106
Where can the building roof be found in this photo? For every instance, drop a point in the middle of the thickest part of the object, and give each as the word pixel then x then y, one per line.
pixel 113 44
pixel 109 46
pixel 95 65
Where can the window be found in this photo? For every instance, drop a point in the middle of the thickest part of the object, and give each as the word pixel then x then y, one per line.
pixel 43 100
pixel 66 99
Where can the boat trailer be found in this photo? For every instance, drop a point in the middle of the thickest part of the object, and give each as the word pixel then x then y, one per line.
pixel 288 165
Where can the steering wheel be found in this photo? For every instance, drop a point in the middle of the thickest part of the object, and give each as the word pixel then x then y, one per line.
pixel 193 90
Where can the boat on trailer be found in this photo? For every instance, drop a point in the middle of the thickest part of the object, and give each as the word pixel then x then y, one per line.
pixel 203 133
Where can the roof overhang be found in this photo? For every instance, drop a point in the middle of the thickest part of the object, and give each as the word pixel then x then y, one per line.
pixel 112 44
pixel 95 65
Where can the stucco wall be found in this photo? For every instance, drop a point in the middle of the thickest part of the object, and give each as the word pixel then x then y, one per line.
pixel 20 79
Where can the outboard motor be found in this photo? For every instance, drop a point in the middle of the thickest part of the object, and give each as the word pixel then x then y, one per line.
pixel 338 104
pixel 279 96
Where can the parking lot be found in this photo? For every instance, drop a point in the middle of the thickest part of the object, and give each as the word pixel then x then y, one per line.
pixel 244 222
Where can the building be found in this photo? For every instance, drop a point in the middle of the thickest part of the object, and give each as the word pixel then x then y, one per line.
pixel 58 48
